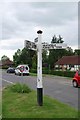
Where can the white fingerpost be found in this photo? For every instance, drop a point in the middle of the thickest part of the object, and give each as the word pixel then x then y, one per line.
pixel 38 43
pixel 39 70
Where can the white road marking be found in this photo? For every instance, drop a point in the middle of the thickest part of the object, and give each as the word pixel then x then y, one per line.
pixel 8 81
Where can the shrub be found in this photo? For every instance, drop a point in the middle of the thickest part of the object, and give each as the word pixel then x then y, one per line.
pixel 33 70
pixel 5 67
pixel 63 73
pixel 20 88
pixel 54 72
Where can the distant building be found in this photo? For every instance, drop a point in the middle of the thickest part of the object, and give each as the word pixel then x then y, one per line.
pixel 6 63
pixel 68 63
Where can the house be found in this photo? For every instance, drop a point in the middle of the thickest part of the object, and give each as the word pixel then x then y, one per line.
pixel 6 63
pixel 68 63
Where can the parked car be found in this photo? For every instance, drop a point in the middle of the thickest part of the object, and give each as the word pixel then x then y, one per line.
pixel 10 70
pixel 76 79
pixel 22 70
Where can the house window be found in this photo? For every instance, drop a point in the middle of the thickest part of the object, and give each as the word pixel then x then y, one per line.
pixel 71 66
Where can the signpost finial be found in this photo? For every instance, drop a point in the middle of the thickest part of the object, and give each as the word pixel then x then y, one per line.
pixel 39 31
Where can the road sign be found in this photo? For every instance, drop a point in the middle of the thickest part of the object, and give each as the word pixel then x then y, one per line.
pixel 45 45
pixel 54 46
pixel 36 40
pixel 30 45
pixel 38 45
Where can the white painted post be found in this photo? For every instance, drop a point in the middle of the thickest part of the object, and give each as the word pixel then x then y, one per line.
pixel 41 46
pixel 39 70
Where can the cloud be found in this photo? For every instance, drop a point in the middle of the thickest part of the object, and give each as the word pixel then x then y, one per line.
pixel 8 53
pixel 46 14
pixel 11 44
pixel 41 1
pixel 21 20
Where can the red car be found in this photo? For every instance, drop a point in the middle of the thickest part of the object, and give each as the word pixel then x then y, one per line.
pixel 76 79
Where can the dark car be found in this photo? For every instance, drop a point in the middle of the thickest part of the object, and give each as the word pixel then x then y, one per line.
pixel 76 79
pixel 10 70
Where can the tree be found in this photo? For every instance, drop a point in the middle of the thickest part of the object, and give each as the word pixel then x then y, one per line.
pixel 23 56
pixel 59 40
pixel 56 54
pixel 27 54
pixel 16 57
pixel 77 51
pixel 54 39
pixel 45 58
pixel 34 62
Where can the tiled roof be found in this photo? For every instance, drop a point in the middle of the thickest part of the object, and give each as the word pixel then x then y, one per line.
pixel 67 60
pixel 7 62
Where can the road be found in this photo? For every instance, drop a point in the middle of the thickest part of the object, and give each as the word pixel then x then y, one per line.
pixel 56 87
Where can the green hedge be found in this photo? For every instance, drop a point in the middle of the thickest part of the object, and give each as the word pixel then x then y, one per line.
pixel 33 70
pixel 63 73
pixel 53 72
pixel 5 67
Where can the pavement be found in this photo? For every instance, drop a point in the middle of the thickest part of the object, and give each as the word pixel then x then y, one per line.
pixel 56 87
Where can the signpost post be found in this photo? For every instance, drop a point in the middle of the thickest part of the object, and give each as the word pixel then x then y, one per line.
pixel 39 70
pixel 38 45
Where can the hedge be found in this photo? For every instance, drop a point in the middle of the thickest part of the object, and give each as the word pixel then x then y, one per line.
pixel 63 73
pixel 58 73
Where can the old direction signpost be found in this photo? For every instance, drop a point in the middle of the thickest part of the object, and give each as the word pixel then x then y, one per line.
pixel 39 70
pixel 45 45
pixel 38 45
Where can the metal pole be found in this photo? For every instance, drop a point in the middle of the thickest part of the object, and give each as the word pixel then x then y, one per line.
pixel 39 70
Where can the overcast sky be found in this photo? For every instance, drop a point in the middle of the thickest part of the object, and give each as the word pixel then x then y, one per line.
pixel 21 20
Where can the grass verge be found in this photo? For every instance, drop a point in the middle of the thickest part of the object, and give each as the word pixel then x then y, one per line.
pixel 24 105
pixel 45 75
pixel 35 74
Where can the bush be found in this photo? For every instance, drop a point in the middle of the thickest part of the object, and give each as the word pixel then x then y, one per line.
pixel 54 72
pixel 45 71
pixel 20 88
pixel 63 73
pixel 33 70
pixel 5 67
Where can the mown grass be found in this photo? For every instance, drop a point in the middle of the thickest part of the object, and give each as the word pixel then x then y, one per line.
pixel 35 74
pixel 24 105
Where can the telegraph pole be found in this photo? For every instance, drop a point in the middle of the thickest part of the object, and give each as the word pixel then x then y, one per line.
pixel 39 69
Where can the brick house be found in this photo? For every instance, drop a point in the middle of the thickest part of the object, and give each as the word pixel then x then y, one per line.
pixel 68 63
pixel 6 63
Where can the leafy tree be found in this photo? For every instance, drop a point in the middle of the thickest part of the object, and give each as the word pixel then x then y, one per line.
pixel 77 52
pixel 54 39
pixel 59 40
pixel 23 56
pixel 45 58
pixel 16 57
pixel 56 54
pixel 29 55
pixel 34 62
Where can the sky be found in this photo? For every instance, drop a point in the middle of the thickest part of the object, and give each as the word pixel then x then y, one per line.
pixel 20 20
